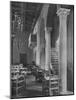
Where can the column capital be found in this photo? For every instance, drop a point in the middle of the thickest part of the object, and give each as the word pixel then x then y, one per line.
pixel 48 29
pixel 63 11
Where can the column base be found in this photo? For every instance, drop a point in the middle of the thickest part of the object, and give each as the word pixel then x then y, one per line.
pixel 66 93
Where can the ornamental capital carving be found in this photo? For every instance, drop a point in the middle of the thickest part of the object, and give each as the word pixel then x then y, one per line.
pixel 48 29
pixel 63 12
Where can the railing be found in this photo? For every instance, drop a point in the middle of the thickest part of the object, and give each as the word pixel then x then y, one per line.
pixel 51 85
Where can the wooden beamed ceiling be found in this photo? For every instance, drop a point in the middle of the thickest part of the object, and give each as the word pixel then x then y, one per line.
pixel 29 11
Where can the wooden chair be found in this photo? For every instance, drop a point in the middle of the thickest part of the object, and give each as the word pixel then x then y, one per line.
pixel 17 80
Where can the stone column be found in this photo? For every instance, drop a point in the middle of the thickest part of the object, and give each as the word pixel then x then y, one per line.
pixel 62 13
pixel 38 46
pixel 48 47
pixel 34 51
